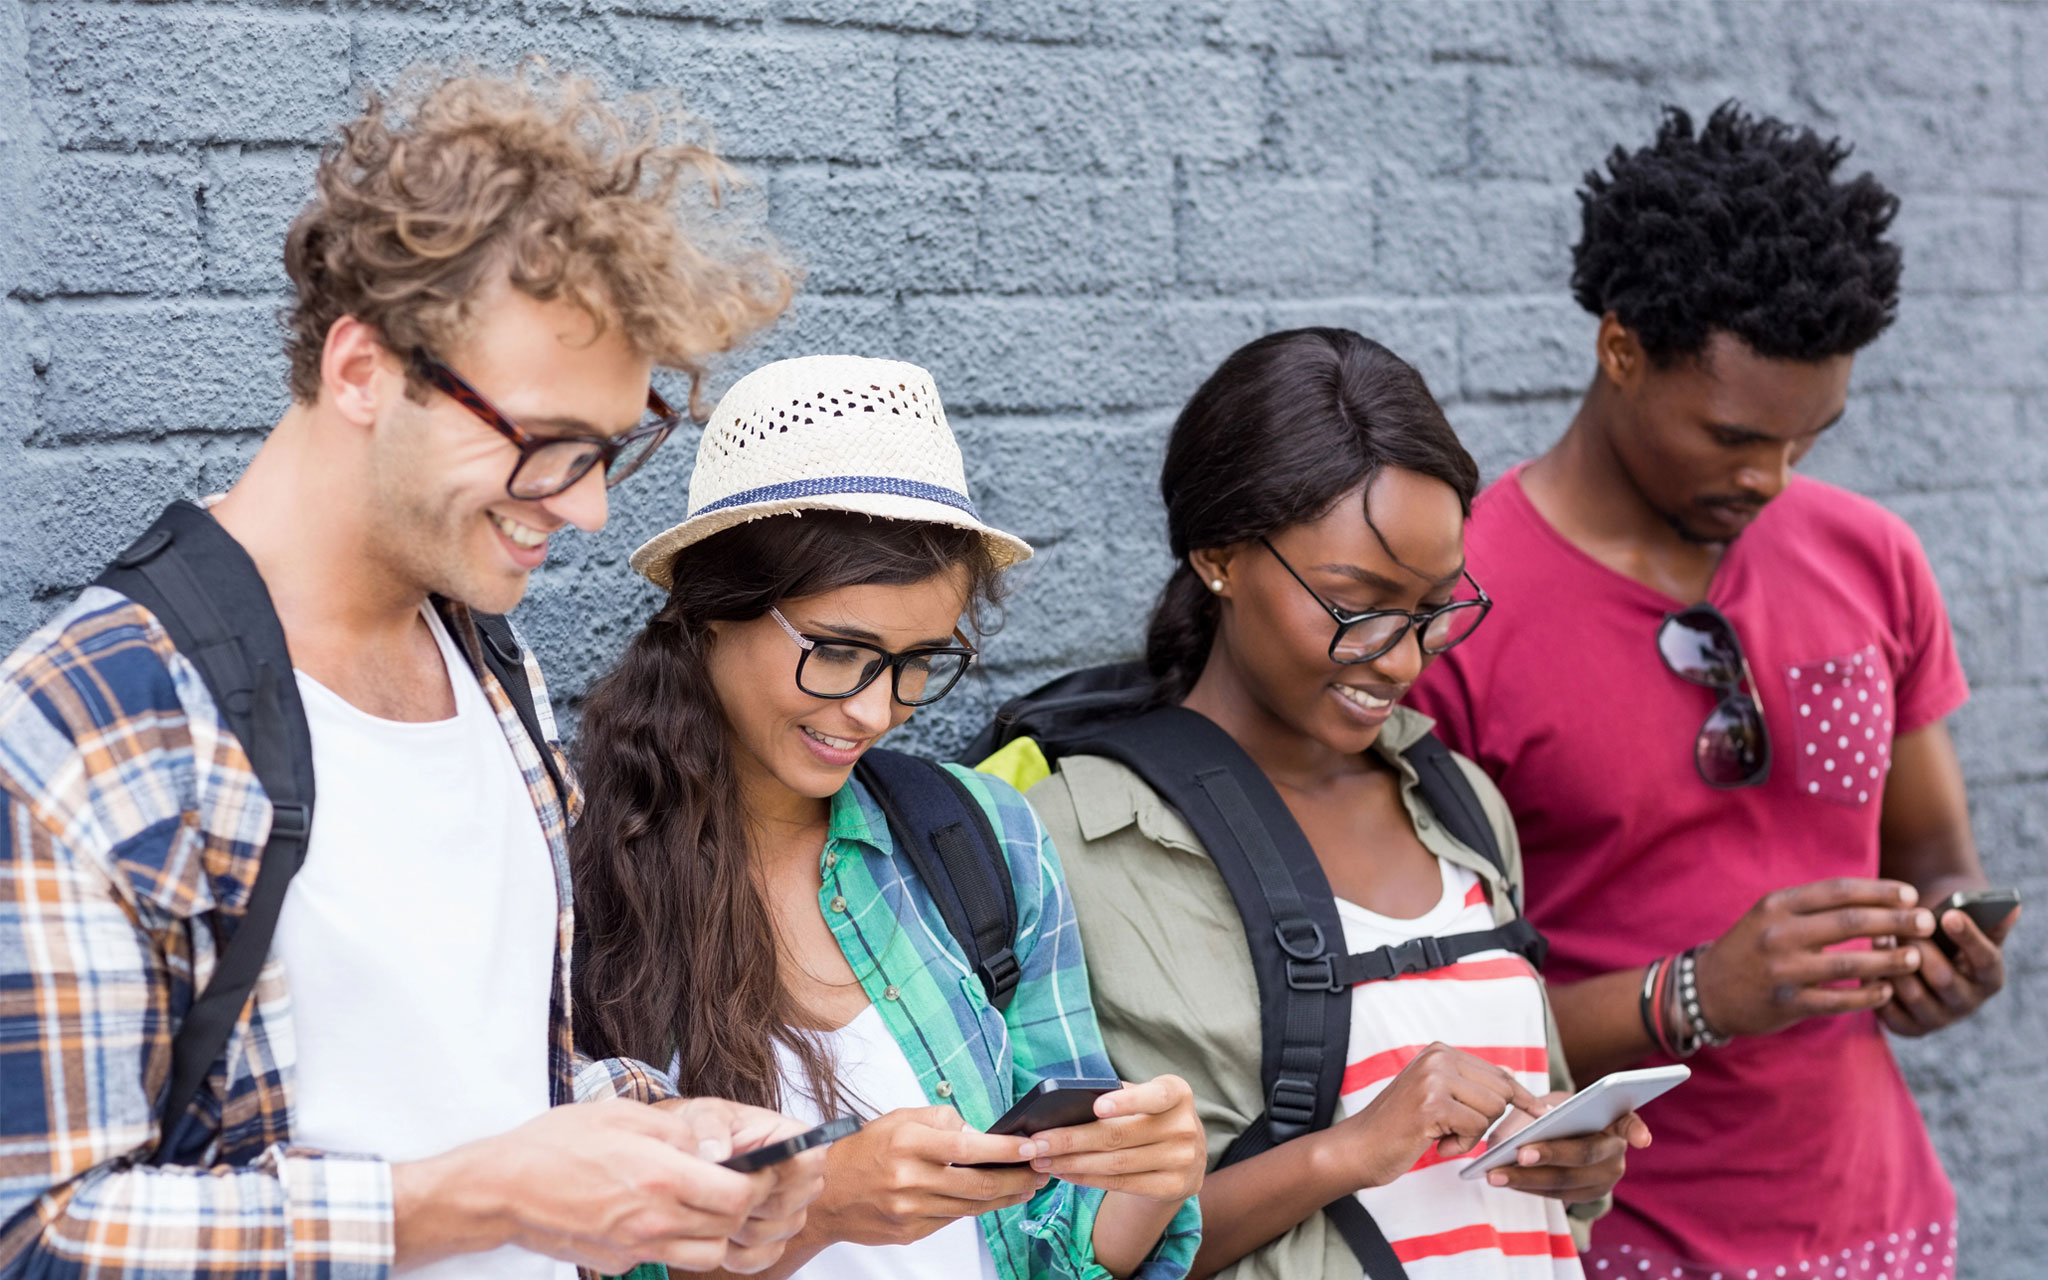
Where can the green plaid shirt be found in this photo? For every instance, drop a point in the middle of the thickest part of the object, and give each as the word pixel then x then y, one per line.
pixel 966 1053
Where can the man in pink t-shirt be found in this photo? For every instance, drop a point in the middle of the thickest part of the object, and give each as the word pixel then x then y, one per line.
pixel 1714 695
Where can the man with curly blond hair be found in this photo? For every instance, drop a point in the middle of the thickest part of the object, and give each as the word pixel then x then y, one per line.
pixel 485 281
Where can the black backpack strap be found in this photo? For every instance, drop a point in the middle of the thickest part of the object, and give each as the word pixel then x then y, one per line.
pixel 1289 913
pixel 1417 955
pixel 939 825
pixel 205 591
pixel 1451 797
pixel 1290 918
pixel 507 661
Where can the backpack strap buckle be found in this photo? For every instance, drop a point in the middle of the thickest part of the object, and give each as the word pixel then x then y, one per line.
pixel 1291 1108
pixel 999 974
pixel 1319 974
pixel 1299 937
pixel 1417 955
pixel 289 821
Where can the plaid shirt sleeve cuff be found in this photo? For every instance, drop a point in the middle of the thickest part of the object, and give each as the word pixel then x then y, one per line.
pixel 1063 1221
pixel 339 1214
pixel 597 1079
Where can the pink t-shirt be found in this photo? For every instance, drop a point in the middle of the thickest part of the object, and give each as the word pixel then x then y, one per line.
pixel 1782 1150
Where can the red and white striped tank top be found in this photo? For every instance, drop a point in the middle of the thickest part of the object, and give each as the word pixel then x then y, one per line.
pixel 1489 1005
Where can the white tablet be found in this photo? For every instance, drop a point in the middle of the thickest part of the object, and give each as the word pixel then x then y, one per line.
pixel 1589 1110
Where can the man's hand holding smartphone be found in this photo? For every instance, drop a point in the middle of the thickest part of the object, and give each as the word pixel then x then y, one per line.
pixel 1960 967
pixel 783 1191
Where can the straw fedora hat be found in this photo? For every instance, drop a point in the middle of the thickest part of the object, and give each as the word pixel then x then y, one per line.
pixel 839 433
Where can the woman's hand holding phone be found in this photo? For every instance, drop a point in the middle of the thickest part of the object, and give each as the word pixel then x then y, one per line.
pixel 1445 1098
pixel 900 1178
pixel 1571 1169
pixel 1145 1141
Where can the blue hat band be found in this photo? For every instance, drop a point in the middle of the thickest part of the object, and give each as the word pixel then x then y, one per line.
pixel 830 485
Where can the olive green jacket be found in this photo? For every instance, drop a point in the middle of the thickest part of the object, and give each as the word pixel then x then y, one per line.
pixel 1169 968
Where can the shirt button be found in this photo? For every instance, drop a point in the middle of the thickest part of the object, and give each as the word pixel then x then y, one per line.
pixel 890 992
pixel 945 1088
pixel 838 902
pixel 1422 822
pixel 831 859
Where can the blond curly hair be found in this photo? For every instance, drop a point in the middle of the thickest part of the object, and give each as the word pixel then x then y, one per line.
pixel 426 198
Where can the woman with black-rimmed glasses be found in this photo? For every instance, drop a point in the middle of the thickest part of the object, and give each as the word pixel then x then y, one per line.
pixel 745 912
pixel 1316 502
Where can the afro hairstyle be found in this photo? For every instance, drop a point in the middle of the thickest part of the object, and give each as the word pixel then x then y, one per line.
pixel 1740 228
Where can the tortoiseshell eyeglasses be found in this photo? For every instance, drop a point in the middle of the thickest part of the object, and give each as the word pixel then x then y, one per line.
pixel 550 464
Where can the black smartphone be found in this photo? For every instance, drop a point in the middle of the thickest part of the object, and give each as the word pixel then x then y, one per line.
pixel 1049 1104
pixel 777 1152
pixel 1985 907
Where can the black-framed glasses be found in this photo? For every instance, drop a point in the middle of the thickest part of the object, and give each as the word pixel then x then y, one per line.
pixel 831 667
pixel 1733 749
pixel 549 465
pixel 1361 637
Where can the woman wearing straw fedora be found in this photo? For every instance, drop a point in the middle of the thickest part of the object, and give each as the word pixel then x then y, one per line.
pixel 746 910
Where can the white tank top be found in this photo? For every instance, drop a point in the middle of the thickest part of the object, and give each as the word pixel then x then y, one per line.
pixel 1441 1226
pixel 875 1074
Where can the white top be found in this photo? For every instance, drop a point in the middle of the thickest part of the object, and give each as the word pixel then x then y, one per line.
pixel 1490 1005
pixel 419 941
pixel 876 1078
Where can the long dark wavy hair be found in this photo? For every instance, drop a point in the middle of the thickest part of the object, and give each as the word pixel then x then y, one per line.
pixel 1286 426
pixel 678 957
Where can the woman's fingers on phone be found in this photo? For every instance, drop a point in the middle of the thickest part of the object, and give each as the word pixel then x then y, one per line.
pixel 984 1185
pixel 1571 1153
pixel 971 1147
pixel 1632 1129
pixel 1154 1097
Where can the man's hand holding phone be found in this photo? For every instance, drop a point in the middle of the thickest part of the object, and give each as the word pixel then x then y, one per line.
pixel 783 1191
pixel 1778 965
pixel 1959 968
pixel 605 1185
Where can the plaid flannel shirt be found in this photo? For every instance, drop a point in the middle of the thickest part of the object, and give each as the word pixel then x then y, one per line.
pixel 131 828
pixel 967 1054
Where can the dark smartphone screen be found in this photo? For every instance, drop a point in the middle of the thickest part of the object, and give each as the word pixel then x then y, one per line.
pixel 777 1152
pixel 1985 907
pixel 1049 1104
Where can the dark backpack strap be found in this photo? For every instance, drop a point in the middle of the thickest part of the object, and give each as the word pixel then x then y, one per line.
pixel 939 825
pixel 194 577
pixel 507 661
pixel 1451 797
pixel 1281 893
pixel 1290 918
pixel 1417 955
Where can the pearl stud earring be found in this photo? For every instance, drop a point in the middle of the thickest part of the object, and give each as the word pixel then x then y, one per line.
pixel 1215 584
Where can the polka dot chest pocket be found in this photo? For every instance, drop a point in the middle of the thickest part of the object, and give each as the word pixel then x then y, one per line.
pixel 1842 715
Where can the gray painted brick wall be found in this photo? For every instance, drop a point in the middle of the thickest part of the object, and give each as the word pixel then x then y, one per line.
pixel 1069 210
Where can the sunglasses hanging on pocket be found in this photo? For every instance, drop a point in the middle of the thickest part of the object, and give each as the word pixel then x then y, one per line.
pixel 1733 748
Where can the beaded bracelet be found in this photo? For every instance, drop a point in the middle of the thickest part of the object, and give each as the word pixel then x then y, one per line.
pixel 1697 1029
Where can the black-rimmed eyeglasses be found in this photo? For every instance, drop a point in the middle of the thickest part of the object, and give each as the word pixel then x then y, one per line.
pixel 1361 637
pixel 551 464
pixel 1733 749
pixel 831 667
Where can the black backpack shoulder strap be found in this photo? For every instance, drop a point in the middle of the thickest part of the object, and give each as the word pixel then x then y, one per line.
pixel 1289 913
pixel 1451 797
pixel 939 825
pixel 205 591
pixel 507 661
pixel 1291 926
pixel 1448 790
